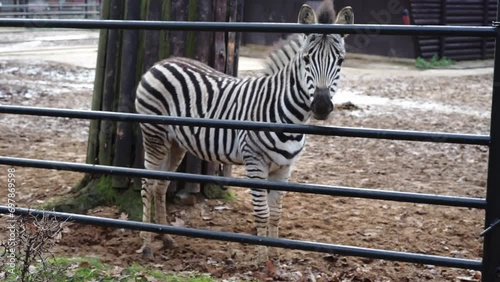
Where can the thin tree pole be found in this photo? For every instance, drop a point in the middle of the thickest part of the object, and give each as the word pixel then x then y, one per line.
pixel 151 37
pixel 111 78
pixel 93 141
pixel 191 164
pixel 124 135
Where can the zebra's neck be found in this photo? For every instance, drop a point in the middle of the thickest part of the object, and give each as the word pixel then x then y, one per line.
pixel 291 92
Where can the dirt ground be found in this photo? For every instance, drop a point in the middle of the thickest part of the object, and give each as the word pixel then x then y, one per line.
pixel 389 96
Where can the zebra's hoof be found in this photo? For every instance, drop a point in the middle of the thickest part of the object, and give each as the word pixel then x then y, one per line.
pixel 274 253
pixel 147 253
pixel 184 198
pixel 262 254
pixel 168 242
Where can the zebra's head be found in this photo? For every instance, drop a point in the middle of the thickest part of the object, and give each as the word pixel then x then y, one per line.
pixel 322 56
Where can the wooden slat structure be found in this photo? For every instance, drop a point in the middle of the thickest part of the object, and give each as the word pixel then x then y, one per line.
pixel 421 12
pixel 453 12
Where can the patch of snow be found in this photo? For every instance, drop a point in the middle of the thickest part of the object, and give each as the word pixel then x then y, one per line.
pixel 383 104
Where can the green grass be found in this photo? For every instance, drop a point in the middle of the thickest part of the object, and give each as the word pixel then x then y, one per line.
pixel 434 62
pixel 91 269
pixel 214 191
pixel 98 192
pixel 228 196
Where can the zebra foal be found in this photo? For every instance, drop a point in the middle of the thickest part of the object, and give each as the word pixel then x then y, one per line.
pixel 301 80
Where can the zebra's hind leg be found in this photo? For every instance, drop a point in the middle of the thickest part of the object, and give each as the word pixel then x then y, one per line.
pixel 146 195
pixel 155 151
pixel 275 203
pixel 170 163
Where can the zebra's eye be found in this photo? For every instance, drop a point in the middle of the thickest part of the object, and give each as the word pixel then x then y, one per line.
pixel 340 61
pixel 306 59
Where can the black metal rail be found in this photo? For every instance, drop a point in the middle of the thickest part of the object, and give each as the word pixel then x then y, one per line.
pixel 436 137
pixel 237 182
pixel 255 240
pixel 490 265
pixel 372 29
pixel 491 246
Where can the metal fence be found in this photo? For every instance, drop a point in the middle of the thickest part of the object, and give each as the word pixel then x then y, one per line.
pixel 88 9
pixel 490 263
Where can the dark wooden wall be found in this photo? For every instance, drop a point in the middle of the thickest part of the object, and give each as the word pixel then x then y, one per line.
pixel 378 12
pixel 454 12
pixel 364 12
pixel 421 12
pixel 282 11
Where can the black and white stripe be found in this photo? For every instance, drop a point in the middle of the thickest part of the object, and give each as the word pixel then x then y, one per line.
pixel 187 88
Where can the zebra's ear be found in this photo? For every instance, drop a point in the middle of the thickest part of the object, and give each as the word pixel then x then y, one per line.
pixel 345 16
pixel 307 15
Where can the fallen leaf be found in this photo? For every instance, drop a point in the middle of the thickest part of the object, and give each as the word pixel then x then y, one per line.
pixel 65 227
pixel 477 275
pixel 260 276
pixel 123 216
pixel 117 271
pixel 178 267
pixel 297 276
pixel 466 279
pixel 331 258
pixel 270 268
pixel 70 274
pixel 214 271
pixel 151 279
pixel 310 277
pixel 178 222
pixel 85 264
pixel 58 237
pixel 221 208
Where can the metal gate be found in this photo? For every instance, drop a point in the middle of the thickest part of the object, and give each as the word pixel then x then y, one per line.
pixel 490 264
pixel 88 9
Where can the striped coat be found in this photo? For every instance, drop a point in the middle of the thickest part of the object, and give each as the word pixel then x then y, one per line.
pixel 301 79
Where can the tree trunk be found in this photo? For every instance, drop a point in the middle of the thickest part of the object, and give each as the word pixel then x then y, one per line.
pixel 125 135
pixel 98 86
pixel 233 50
pixel 123 56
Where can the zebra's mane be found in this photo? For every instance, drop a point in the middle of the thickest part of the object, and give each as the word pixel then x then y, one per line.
pixel 283 52
pixel 326 12
pixel 286 49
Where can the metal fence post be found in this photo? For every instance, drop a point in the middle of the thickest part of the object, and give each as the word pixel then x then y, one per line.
pixel 491 248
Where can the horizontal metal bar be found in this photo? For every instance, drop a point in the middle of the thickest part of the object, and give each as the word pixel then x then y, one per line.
pixel 50 13
pixel 261 184
pixel 46 5
pixel 404 135
pixel 368 29
pixel 254 240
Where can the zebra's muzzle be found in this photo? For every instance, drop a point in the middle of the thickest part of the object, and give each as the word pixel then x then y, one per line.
pixel 322 104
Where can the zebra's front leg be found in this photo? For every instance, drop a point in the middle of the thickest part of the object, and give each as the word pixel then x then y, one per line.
pixel 275 203
pixel 259 171
pixel 261 217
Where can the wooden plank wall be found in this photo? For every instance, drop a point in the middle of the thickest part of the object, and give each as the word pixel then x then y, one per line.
pixel 454 12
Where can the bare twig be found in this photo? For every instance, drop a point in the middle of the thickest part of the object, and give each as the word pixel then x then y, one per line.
pixel 36 236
